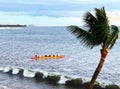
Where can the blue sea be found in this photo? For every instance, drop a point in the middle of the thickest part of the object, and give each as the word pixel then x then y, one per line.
pixel 18 45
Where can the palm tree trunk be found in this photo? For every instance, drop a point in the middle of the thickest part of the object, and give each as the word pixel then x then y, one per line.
pixel 104 52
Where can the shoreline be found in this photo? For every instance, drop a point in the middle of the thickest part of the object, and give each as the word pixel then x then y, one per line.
pixel 13 25
pixel 53 78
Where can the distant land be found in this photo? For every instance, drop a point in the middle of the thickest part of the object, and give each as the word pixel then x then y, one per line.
pixel 17 25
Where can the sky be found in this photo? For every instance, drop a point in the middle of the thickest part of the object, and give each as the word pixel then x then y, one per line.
pixel 55 12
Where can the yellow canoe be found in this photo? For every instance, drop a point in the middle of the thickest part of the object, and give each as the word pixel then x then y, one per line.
pixel 36 57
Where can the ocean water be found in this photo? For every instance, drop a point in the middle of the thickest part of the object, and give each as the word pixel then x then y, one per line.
pixel 17 46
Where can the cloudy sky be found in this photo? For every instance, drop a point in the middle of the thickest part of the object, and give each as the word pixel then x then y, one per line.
pixel 55 12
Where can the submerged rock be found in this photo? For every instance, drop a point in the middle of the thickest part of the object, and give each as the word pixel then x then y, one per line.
pixel 112 87
pixel 38 76
pixel 53 78
pixel 75 82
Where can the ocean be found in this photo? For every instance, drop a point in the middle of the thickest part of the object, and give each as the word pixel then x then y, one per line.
pixel 18 45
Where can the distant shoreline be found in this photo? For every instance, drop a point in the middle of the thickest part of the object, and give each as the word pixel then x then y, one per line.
pixel 13 25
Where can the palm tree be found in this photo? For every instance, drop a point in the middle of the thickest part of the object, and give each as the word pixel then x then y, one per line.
pixel 98 32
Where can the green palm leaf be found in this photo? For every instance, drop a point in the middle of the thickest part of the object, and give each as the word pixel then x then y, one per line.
pixel 98 30
pixel 85 37
pixel 101 14
pixel 113 36
pixel 89 20
pixel 98 24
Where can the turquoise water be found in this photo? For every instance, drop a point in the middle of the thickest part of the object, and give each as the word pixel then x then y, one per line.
pixel 17 46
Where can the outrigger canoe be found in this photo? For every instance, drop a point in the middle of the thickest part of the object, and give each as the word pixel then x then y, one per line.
pixel 36 57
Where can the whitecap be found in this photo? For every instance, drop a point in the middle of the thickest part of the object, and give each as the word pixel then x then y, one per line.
pixel 15 70
pixel 7 69
pixel 45 74
pixel 1 68
pixel 28 73
pixel 63 79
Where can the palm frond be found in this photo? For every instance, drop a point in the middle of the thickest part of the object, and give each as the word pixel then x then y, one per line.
pixel 99 31
pixel 102 19
pixel 85 37
pixel 103 23
pixel 98 25
pixel 113 36
pixel 89 20
pixel 101 14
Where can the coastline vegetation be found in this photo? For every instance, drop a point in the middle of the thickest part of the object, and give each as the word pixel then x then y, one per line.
pixel 17 25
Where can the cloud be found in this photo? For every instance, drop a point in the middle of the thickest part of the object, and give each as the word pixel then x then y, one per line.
pixel 50 13
pixel 38 5
pixel 113 13
pixel 59 12
pixel 114 17
pixel 51 21
pixel 61 21
pixel 41 20
pixel 54 13
pixel 52 7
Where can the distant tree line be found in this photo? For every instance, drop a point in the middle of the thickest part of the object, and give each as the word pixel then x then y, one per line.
pixel 17 25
